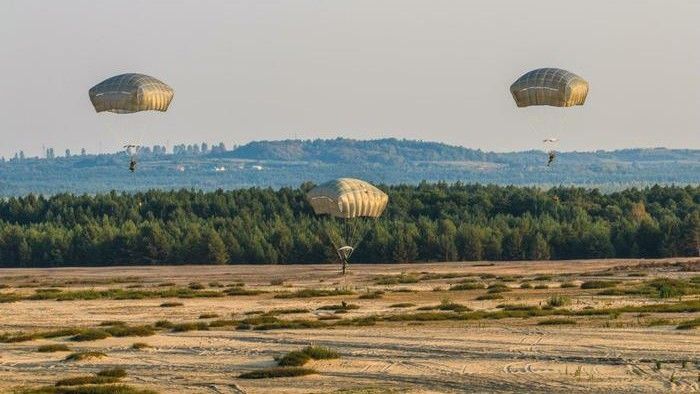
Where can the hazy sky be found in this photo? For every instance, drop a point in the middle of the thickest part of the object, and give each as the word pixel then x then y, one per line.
pixel 433 70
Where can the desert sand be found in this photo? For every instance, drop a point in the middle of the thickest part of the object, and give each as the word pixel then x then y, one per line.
pixel 630 352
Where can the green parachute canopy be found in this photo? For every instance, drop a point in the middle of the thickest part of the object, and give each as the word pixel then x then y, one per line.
pixel 549 86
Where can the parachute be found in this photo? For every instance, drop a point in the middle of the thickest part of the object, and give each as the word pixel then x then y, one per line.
pixel 551 87
pixel 349 200
pixel 130 93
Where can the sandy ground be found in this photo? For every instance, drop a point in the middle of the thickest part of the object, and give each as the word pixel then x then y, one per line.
pixel 508 355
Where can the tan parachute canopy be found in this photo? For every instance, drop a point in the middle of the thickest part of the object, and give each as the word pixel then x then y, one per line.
pixel 347 198
pixel 549 86
pixel 128 93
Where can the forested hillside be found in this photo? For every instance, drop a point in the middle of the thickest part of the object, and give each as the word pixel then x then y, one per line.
pixel 289 163
pixel 427 222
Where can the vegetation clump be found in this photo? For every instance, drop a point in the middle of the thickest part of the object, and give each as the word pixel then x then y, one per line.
pixel 277 372
pixel 309 293
pixel 54 347
pixel 79 356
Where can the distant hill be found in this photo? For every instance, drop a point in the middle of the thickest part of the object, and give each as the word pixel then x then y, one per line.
pixel 342 150
pixel 389 161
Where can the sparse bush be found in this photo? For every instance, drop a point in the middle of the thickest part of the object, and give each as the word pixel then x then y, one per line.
pixel 689 324
pixel 92 334
pixel 403 278
pixel 541 286
pixel 371 295
pixel 556 322
pixel 467 286
pixel 565 285
pixel 489 297
pixel 83 380
pixel 191 326
pixel 599 284
pixel 278 372
pixel 171 304
pixel 526 285
pixel 294 359
pixel 130 331
pixel 308 293
pixel 402 305
pixel 556 301
pixel 164 324
pixel 54 347
pixel 208 315
pixel 277 282
pixel 112 372
pixel 79 356
pixel 497 288
pixel 196 286
pixel 112 323
pixel 338 307
pixel 140 345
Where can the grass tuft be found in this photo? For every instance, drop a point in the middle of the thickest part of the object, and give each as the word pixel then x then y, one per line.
pixel 277 372
pixel 54 347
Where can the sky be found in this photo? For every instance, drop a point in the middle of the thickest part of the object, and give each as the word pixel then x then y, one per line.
pixel 432 70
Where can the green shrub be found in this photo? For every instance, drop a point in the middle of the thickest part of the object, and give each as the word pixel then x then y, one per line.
pixel 54 347
pixel 565 285
pixel 83 380
pixel 164 324
pixel 294 359
pixel 558 300
pixel 278 372
pixel 599 284
pixel 556 322
pixel 320 353
pixel 191 326
pixel 526 285
pixel 467 286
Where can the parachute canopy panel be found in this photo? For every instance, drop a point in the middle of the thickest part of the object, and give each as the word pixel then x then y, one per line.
pixel 128 93
pixel 549 86
pixel 347 198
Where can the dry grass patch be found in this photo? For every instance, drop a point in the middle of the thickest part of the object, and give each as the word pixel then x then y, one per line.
pixel 79 356
pixel 91 334
pixel 277 372
pixel 54 347
pixel 402 305
pixel 309 293
pixel 171 304
pixel 556 322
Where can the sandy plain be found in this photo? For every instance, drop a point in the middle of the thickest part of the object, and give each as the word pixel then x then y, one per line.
pixel 621 352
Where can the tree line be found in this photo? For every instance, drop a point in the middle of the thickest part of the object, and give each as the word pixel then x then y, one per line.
pixel 425 222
